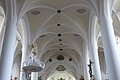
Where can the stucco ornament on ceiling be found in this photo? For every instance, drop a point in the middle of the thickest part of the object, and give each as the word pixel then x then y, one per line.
pixel 61 68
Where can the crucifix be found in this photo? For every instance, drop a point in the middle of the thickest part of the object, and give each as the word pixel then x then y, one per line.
pixel 90 68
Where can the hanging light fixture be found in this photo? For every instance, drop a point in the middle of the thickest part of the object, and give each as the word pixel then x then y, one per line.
pixel 33 64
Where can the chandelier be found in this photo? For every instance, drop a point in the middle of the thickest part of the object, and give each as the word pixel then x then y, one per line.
pixel 32 64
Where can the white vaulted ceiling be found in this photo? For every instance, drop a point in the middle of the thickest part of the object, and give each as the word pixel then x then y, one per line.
pixel 61 33
pixel 43 22
pixel 53 31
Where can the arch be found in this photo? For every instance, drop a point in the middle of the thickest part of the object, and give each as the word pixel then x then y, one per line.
pixel 25 30
pixel 79 27
pixel 101 56
pixel 92 28
pixel 26 35
pixel 112 4
pixel 2 20
pixel 71 69
pixel 53 55
pixel 68 75
pixel 68 26
pixel 2 27
pixel 83 34
pixel 79 5
pixel 23 12
pixel 46 47
pixel 43 6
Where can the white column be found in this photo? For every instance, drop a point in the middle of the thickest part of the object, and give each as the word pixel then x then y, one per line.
pixel 86 62
pixel 110 49
pixel 25 55
pixel 24 58
pixel 95 60
pixel 8 49
pixel 34 76
pixel 109 42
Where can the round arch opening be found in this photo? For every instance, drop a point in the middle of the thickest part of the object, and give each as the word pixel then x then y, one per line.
pixel 61 75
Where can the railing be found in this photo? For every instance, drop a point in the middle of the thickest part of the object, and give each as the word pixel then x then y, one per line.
pixel 33 65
